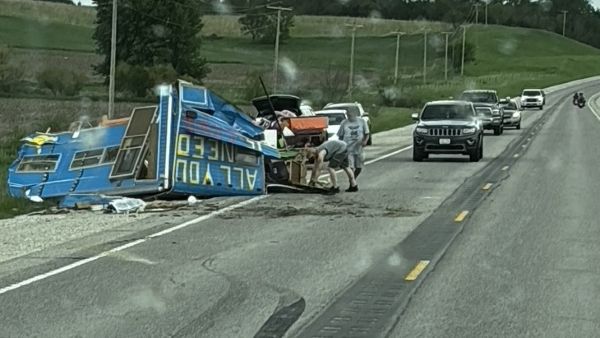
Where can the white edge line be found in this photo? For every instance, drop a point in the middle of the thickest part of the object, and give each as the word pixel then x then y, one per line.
pixel 396 152
pixel 69 267
pixel 155 235
pixel 388 155
pixel 592 104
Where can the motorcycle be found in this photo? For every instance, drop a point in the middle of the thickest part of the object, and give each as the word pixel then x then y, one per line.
pixel 579 102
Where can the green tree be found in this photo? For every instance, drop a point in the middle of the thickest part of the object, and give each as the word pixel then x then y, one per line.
pixel 261 23
pixel 151 33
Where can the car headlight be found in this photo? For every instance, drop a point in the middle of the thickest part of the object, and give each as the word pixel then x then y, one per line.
pixel 516 115
pixel 468 131
pixel 420 130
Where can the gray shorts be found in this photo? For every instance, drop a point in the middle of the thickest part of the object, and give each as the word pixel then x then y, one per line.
pixel 339 161
pixel 356 160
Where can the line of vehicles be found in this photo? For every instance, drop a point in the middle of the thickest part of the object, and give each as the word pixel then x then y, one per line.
pixel 458 126
pixel 193 142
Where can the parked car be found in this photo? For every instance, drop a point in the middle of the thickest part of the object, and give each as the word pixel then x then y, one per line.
pixel 356 108
pixel 485 116
pixel 533 98
pixel 448 127
pixel 488 99
pixel 512 113
pixel 335 117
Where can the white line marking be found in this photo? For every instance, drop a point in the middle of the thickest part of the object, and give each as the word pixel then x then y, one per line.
pixel 591 105
pixel 155 235
pixel 388 155
pixel 505 168
pixel 69 267
pixel 375 159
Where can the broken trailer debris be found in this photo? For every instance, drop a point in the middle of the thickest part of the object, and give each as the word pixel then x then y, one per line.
pixel 192 143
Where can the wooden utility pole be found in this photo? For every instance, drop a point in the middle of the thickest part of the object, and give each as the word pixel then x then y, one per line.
pixel 476 12
pixel 564 21
pixel 276 62
pixel 464 42
pixel 398 35
pixel 113 62
pixel 447 35
pixel 425 57
pixel 486 13
pixel 354 26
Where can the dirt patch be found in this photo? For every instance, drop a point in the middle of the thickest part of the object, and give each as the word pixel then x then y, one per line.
pixel 316 206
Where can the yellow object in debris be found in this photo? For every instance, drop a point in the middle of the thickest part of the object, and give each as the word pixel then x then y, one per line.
pixel 208 177
pixel 40 140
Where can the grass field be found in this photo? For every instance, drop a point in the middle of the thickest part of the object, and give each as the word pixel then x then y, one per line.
pixel 221 25
pixel 19 32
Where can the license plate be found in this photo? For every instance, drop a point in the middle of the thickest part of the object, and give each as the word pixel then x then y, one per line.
pixel 444 141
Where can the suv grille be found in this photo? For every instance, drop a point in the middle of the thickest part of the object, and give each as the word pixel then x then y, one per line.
pixel 532 100
pixel 444 132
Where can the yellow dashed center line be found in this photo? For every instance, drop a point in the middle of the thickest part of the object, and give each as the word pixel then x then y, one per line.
pixel 487 187
pixel 461 217
pixel 416 271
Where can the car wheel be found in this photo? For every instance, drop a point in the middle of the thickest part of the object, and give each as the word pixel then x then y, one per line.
pixel 418 154
pixel 474 155
pixel 541 107
pixel 518 126
pixel 497 131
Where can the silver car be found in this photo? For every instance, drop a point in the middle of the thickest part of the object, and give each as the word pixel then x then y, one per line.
pixel 512 113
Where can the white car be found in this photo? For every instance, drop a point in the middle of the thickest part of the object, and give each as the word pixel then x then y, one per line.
pixel 356 108
pixel 335 117
pixel 533 98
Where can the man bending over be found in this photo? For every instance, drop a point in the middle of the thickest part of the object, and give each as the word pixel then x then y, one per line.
pixel 336 153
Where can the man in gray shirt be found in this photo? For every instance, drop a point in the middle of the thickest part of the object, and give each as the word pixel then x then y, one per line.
pixel 355 132
pixel 336 153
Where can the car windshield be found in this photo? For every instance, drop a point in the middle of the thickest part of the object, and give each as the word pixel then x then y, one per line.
pixel 350 109
pixel 484 111
pixel 447 112
pixel 334 118
pixel 532 93
pixel 509 105
pixel 480 97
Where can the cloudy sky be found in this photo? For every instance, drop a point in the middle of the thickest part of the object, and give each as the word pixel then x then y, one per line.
pixel 596 3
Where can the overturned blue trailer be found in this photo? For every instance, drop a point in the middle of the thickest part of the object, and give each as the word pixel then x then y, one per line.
pixel 191 143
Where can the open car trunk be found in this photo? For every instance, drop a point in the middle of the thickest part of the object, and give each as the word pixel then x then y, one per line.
pixel 280 103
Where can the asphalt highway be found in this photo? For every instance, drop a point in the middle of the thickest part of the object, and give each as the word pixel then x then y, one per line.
pixel 526 264
pixel 523 264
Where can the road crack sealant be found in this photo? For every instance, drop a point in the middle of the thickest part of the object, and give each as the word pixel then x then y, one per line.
pixel 373 305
